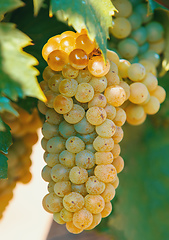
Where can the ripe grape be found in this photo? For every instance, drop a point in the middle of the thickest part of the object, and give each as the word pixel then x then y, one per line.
pixel 67 44
pixel 97 67
pixel 113 57
pixel 54 82
pixel 118 163
pixel 66 130
pixel 84 76
pixel 84 93
pixel 98 100
pixel 65 215
pixel 84 127
pixel 60 173
pixel 115 95
pixel 78 175
pixel 62 104
pixel 67 159
pixel 102 144
pixel 68 87
pixel 62 188
pixel 136 72
pixel 82 218
pixel 107 210
pixel 159 93
pixel 106 129
pixel 72 228
pixel 57 218
pixel 99 84
pixel 104 157
pixel 53 117
pixel 121 28
pixel 53 202
pixel 69 72
pixel 46 173
pixel 75 115
pixel 116 150
pixel 56 145
pixel 74 144
pixel 49 130
pixel 94 203
pixel 118 136
pixel 78 59
pixel 83 42
pixel 96 115
pixel 94 185
pixel 73 202
pixel 57 59
pixel 79 188
pixel 110 111
pixel 105 173
pixel 108 193
pixel 85 159
pixel 152 106
pixel 138 93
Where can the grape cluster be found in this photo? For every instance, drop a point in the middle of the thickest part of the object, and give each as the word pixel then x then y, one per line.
pixel 23 129
pixel 82 131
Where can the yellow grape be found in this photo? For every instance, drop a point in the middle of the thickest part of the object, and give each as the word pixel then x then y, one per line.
pixel 118 162
pixel 82 218
pixel 108 193
pixel 57 59
pixel 78 59
pixel 83 42
pixel 115 95
pixel 97 66
pixel 62 104
pixel 105 173
pixel 94 203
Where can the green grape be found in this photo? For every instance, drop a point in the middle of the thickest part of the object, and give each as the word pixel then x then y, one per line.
pixel 144 48
pixel 82 218
pixel 128 48
pixel 90 148
pixel 94 203
pixel 87 138
pixel 48 73
pixel 126 88
pixel 75 144
pixel 51 159
pixel 123 68
pixel 113 57
pixel 67 159
pixel 124 8
pixel 62 188
pixel 44 142
pixel 49 130
pixel 98 100
pixel 84 93
pixel 151 56
pixel 94 186
pixel 46 173
pixel 66 129
pixel 62 104
pixel 56 145
pixel 84 127
pixel 121 28
pixel 57 218
pixel 60 173
pixel 50 95
pixel 79 188
pixel 136 72
pixel 96 115
pixel 149 66
pixel 105 173
pixel 112 76
pixel 78 175
pixel 65 215
pixel 75 115
pixel 106 129
pixel 54 203
pixel 51 186
pixel 85 159
pixel 150 81
pixel 155 31
pixel 68 87
pixel 104 157
pixel 101 144
pixel 84 76
pixel 141 9
pixel 110 111
pixel 99 84
pixel 108 193
pixel 54 82
pixel 69 72
pixel 53 117
pixel 118 136
pixel 158 46
pixel 42 107
pixel 140 35
pixel 73 202
pixel 135 20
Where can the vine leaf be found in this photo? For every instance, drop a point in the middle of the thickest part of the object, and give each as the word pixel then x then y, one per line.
pixel 5 139
pixel 9 5
pixel 95 16
pixel 17 64
pixel 3 166
pixel 37 5
pixel 153 5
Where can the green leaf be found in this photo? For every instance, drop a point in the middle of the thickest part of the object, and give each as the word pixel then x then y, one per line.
pixel 164 3
pixel 3 166
pixel 18 65
pixel 5 139
pixel 37 5
pixel 9 5
pixel 95 16
pixel 153 5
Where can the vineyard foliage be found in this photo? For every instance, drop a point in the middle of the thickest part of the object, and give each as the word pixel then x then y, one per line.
pixel 141 205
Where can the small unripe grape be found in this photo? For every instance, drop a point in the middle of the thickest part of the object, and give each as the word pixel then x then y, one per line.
pixel 97 66
pixel 78 59
pixel 78 175
pixel 118 136
pixel 152 106
pixel 116 150
pixel 44 142
pixel 79 188
pixel 107 210
pixel 75 115
pixel 72 228
pixel 85 159
pixel 104 157
pixel 44 204
pixel 106 129
pixel 62 104
pixel 57 59
pixel 69 72
pixel 60 173
pixel 67 159
pixel 105 173
pixel 65 215
pixel 57 218
pixel 49 130
pixel 73 202
pixel 68 87
pixel 96 115
pixel 53 117
pixel 75 144
pixel 56 145
pixel 87 138
pixel 51 186
pixel 84 93
pixel 94 203
pixel 115 95
pixel 62 188
pixel 119 164
pixel 108 193
pixel 111 111
pixel 124 8
pixel 51 159
pixel 66 130
pixel 94 185
pixel 99 84
pixel 102 144
pixel 159 93
pixel 54 203
pixel 42 107
pixel 82 218
pixel 138 93
pixel 84 127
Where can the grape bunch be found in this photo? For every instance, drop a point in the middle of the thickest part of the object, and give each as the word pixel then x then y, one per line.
pixel 82 131
pixel 24 136
pixel 135 34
